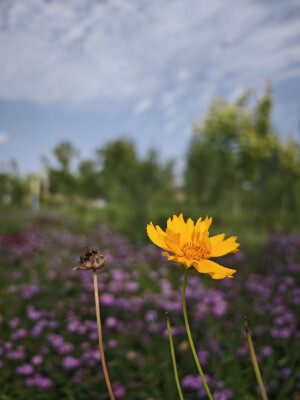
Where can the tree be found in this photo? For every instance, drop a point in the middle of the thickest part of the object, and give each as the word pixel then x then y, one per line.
pixel 61 179
pixel 137 188
pixel 237 164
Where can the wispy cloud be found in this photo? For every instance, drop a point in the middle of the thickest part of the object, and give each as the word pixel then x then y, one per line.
pixel 3 137
pixel 142 106
pixel 114 51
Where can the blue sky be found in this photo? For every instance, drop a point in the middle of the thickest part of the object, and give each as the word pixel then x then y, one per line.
pixel 92 71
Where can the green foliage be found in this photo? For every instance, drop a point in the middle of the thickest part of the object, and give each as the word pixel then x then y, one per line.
pixel 62 180
pixel 127 179
pixel 64 153
pixel 13 189
pixel 237 164
pixel 133 188
pixel 130 190
pixel 237 169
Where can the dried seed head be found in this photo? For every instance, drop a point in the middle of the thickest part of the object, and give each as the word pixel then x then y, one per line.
pixel 91 259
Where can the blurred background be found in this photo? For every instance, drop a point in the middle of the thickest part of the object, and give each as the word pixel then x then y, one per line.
pixel 117 113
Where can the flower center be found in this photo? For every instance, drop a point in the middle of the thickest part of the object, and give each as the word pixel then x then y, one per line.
pixel 194 251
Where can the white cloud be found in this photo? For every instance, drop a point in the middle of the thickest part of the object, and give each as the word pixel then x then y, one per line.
pixel 3 137
pixel 183 75
pixel 124 50
pixel 142 106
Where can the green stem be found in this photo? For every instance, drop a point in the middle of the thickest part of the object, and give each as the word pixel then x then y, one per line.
pixel 254 362
pixel 173 357
pixel 191 339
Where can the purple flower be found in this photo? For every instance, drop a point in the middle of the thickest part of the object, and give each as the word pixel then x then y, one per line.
pixel 111 322
pixel 13 323
pixel 223 395
pixel 33 314
pixel 220 307
pixel 25 369
pixel 193 382
pixel 53 324
pixel 151 316
pixel 36 330
pixel 107 299
pixel 266 351
pixel 88 359
pixel 70 362
pixel 30 381
pixel 203 356
pixel 112 343
pixel 19 334
pixel 131 286
pixel 65 348
pixel 43 382
pixel 37 360
pixel 39 380
pixel 28 291
pixel 286 372
pixel 8 345
pixel 93 336
pixel 15 354
pixel 55 340
pixel 119 390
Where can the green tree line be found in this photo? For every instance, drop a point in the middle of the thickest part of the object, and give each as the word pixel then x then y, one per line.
pixel 237 169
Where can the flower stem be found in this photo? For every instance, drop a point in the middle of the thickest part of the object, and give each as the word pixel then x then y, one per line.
pixel 254 362
pixel 111 395
pixel 173 357
pixel 191 339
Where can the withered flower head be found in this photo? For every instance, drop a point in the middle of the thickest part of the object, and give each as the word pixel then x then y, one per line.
pixel 91 259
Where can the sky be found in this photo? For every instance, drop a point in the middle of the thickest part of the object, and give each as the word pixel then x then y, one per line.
pixel 96 70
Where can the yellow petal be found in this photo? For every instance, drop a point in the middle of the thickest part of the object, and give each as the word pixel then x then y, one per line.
pixel 161 233
pixel 156 236
pixel 222 247
pixel 207 222
pixel 217 238
pixel 176 223
pixel 190 229
pixel 201 227
pixel 185 233
pixel 178 259
pixel 206 241
pixel 198 224
pixel 215 270
pixel 175 236
pixel 173 246
pixel 170 223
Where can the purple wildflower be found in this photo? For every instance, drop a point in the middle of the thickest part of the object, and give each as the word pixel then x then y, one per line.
pixel 65 348
pixel 43 382
pixel 223 395
pixel 70 362
pixel 19 334
pixel 266 351
pixel 37 359
pixel 119 390
pixel 25 369
pixel 112 343
pixel 111 322
pixel 14 323
pixel 15 354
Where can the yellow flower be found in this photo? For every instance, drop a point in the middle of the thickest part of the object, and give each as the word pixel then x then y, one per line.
pixel 190 245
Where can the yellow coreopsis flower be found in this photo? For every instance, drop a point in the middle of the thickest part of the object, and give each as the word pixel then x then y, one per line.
pixel 190 245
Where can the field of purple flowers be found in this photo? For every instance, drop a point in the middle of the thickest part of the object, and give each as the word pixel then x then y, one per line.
pixel 48 331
